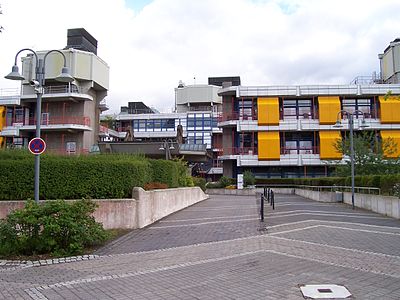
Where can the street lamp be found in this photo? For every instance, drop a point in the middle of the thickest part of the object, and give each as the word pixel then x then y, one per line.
pixel 167 146
pixel 38 84
pixel 350 116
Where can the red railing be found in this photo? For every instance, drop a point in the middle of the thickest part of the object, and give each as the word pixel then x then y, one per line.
pixel 233 116
pixel 52 120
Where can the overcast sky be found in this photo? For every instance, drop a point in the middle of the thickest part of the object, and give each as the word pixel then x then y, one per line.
pixel 151 45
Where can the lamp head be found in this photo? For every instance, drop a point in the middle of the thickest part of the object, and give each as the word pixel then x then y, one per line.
pixel 162 148
pixel 338 124
pixel 14 75
pixel 171 147
pixel 65 76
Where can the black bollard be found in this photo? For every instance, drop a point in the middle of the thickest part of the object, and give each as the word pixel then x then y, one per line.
pixel 262 208
pixel 273 200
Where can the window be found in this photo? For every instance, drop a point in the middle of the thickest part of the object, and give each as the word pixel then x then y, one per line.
pixel 363 105
pixel 295 109
pixel 295 143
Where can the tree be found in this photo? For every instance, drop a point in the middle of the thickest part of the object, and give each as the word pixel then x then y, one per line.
pixel 109 121
pixel 370 155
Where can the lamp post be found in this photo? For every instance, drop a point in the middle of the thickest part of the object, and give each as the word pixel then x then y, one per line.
pixel 350 116
pixel 167 146
pixel 38 82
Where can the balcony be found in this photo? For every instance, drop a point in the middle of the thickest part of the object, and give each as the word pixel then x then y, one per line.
pixel 48 122
pixel 239 151
pixel 301 150
pixel 59 91
pixel 235 116
pixel 10 96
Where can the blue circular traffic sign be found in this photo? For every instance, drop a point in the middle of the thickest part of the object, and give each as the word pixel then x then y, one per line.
pixel 37 146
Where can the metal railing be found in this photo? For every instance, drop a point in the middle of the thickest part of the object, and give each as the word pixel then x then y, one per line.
pixel 300 150
pixel 10 92
pixel 326 188
pixel 50 120
pixel 62 89
pixel 239 151
pixel 234 116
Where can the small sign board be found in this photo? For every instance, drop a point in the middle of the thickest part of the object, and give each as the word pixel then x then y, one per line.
pixel 37 146
pixel 240 181
pixel 71 147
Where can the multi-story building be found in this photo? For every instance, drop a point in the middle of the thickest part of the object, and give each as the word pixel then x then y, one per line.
pixel 70 112
pixel 390 63
pixel 288 131
pixel 197 108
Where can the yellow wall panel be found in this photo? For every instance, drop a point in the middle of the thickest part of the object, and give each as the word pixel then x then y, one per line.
pixel 395 136
pixel 268 111
pixel 329 108
pixel 2 117
pixel 389 109
pixel 269 145
pixel 327 140
pixel 2 124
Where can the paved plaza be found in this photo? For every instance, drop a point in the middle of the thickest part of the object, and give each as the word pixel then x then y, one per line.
pixel 217 249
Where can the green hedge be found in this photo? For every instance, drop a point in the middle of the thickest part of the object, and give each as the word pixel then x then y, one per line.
pixel 384 182
pixel 76 177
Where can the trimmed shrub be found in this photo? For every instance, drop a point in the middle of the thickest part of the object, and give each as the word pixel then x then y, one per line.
pixel 55 227
pixel 104 176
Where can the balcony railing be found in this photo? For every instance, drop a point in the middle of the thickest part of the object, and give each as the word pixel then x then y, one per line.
pixel 240 151
pixel 301 150
pixel 233 116
pixel 62 89
pixel 50 120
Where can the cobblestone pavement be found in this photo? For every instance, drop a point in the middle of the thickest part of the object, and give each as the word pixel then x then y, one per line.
pixel 217 249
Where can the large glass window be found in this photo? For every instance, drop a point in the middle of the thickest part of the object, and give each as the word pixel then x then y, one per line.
pixel 296 143
pixel 247 108
pixel 363 105
pixel 154 125
pixel 295 109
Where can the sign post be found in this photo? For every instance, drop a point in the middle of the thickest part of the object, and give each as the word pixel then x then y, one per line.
pixel 37 146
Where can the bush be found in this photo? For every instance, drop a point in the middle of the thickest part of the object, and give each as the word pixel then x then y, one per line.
pixel 224 181
pixel 248 178
pixel 55 227
pixel 200 182
pixel 213 185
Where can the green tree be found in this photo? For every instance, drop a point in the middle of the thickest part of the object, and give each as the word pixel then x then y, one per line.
pixel 370 155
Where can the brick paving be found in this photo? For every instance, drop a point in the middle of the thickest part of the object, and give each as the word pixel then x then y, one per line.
pixel 216 250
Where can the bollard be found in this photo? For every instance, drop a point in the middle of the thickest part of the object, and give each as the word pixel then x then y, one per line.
pixel 262 208
pixel 273 200
pixel 268 193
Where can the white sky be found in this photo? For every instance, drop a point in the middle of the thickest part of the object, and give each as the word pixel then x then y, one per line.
pixel 151 45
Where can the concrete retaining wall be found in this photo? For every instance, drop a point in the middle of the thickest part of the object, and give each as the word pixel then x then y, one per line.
pixel 385 205
pixel 146 207
pixel 155 205
pixel 317 196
